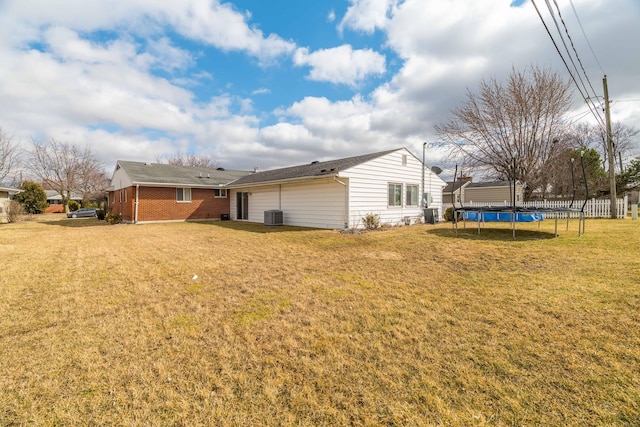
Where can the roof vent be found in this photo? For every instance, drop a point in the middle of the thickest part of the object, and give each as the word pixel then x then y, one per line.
pixel 200 176
pixel 315 162
pixel 220 169
pixel 208 175
pixel 147 163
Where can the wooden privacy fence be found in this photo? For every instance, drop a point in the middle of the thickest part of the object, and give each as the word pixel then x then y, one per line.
pixel 595 208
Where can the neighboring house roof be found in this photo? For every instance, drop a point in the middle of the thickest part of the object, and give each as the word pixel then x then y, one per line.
pixel 170 175
pixel 54 195
pixel 309 170
pixel 455 186
pixel 490 184
pixel 10 190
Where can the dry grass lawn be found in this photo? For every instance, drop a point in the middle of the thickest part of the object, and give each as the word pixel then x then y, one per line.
pixel 107 325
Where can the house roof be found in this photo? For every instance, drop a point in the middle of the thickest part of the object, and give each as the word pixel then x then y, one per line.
pixel 309 170
pixel 10 190
pixel 455 186
pixel 54 195
pixel 171 175
pixel 489 184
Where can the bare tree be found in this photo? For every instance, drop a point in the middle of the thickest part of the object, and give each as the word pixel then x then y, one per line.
pixel 568 179
pixel 195 160
pixel 625 141
pixel 9 155
pixel 518 122
pixel 66 168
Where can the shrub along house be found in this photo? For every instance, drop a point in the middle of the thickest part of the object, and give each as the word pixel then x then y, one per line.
pixel 339 193
pixel 143 192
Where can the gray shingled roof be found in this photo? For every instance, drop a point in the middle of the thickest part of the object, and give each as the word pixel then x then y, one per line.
pixel 162 174
pixel 489 184
pixel 454 186
pixel 54 195
pixel 309 170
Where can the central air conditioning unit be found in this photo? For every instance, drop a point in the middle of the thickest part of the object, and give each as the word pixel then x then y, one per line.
pixel 273 217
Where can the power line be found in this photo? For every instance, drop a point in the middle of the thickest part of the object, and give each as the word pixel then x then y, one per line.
pixel 576 52
pixel 585 37
pixel 586 98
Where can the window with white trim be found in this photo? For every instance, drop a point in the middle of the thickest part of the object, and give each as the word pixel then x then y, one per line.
pixel 183 195
pixel 412 195
pixel 395 194
pixel 220 193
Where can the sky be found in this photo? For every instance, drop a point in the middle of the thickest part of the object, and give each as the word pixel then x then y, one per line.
pixel 277 83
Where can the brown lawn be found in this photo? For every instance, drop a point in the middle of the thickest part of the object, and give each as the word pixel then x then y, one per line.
pixel 109 325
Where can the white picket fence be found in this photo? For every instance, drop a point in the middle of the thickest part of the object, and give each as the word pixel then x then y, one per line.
pixel 595 208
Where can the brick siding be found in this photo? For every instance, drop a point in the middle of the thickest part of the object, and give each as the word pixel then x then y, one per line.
pixel 159 204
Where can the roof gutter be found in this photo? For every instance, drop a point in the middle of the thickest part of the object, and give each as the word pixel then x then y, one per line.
pixel 178 185
pixel 277 181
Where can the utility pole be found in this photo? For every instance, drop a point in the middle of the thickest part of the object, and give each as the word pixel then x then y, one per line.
pixel 610 154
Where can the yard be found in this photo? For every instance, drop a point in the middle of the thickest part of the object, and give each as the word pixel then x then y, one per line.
pixel 223 323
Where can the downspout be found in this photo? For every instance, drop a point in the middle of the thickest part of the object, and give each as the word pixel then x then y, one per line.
pixel 135 215
pixel 346 200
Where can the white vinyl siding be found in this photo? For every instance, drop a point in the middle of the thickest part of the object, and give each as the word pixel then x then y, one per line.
pixel 120 179
pixel 369 193
pixel 262 199
pixel 319 203
pixel 316 203
pixel 343 200
pixel 501 194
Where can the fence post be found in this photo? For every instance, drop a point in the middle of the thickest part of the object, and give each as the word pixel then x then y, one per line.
pixel 624 206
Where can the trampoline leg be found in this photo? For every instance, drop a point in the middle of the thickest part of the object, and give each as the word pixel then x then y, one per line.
pixel 556 229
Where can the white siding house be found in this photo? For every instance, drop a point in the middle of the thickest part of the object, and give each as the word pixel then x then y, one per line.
pixel 493 192
pixel 5 194
pixel 339 193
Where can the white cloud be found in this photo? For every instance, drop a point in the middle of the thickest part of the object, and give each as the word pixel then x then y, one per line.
pixel 261 91
pixel 169 57
pixel 341 65
pixel 368 15
pixel 86 73
pixel 208 21
pixel 225 28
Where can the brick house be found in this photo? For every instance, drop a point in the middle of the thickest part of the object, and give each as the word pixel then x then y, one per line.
pixel 144 192
pixel 333 194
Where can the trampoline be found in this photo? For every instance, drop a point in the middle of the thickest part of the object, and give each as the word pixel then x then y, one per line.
pixel 514 213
